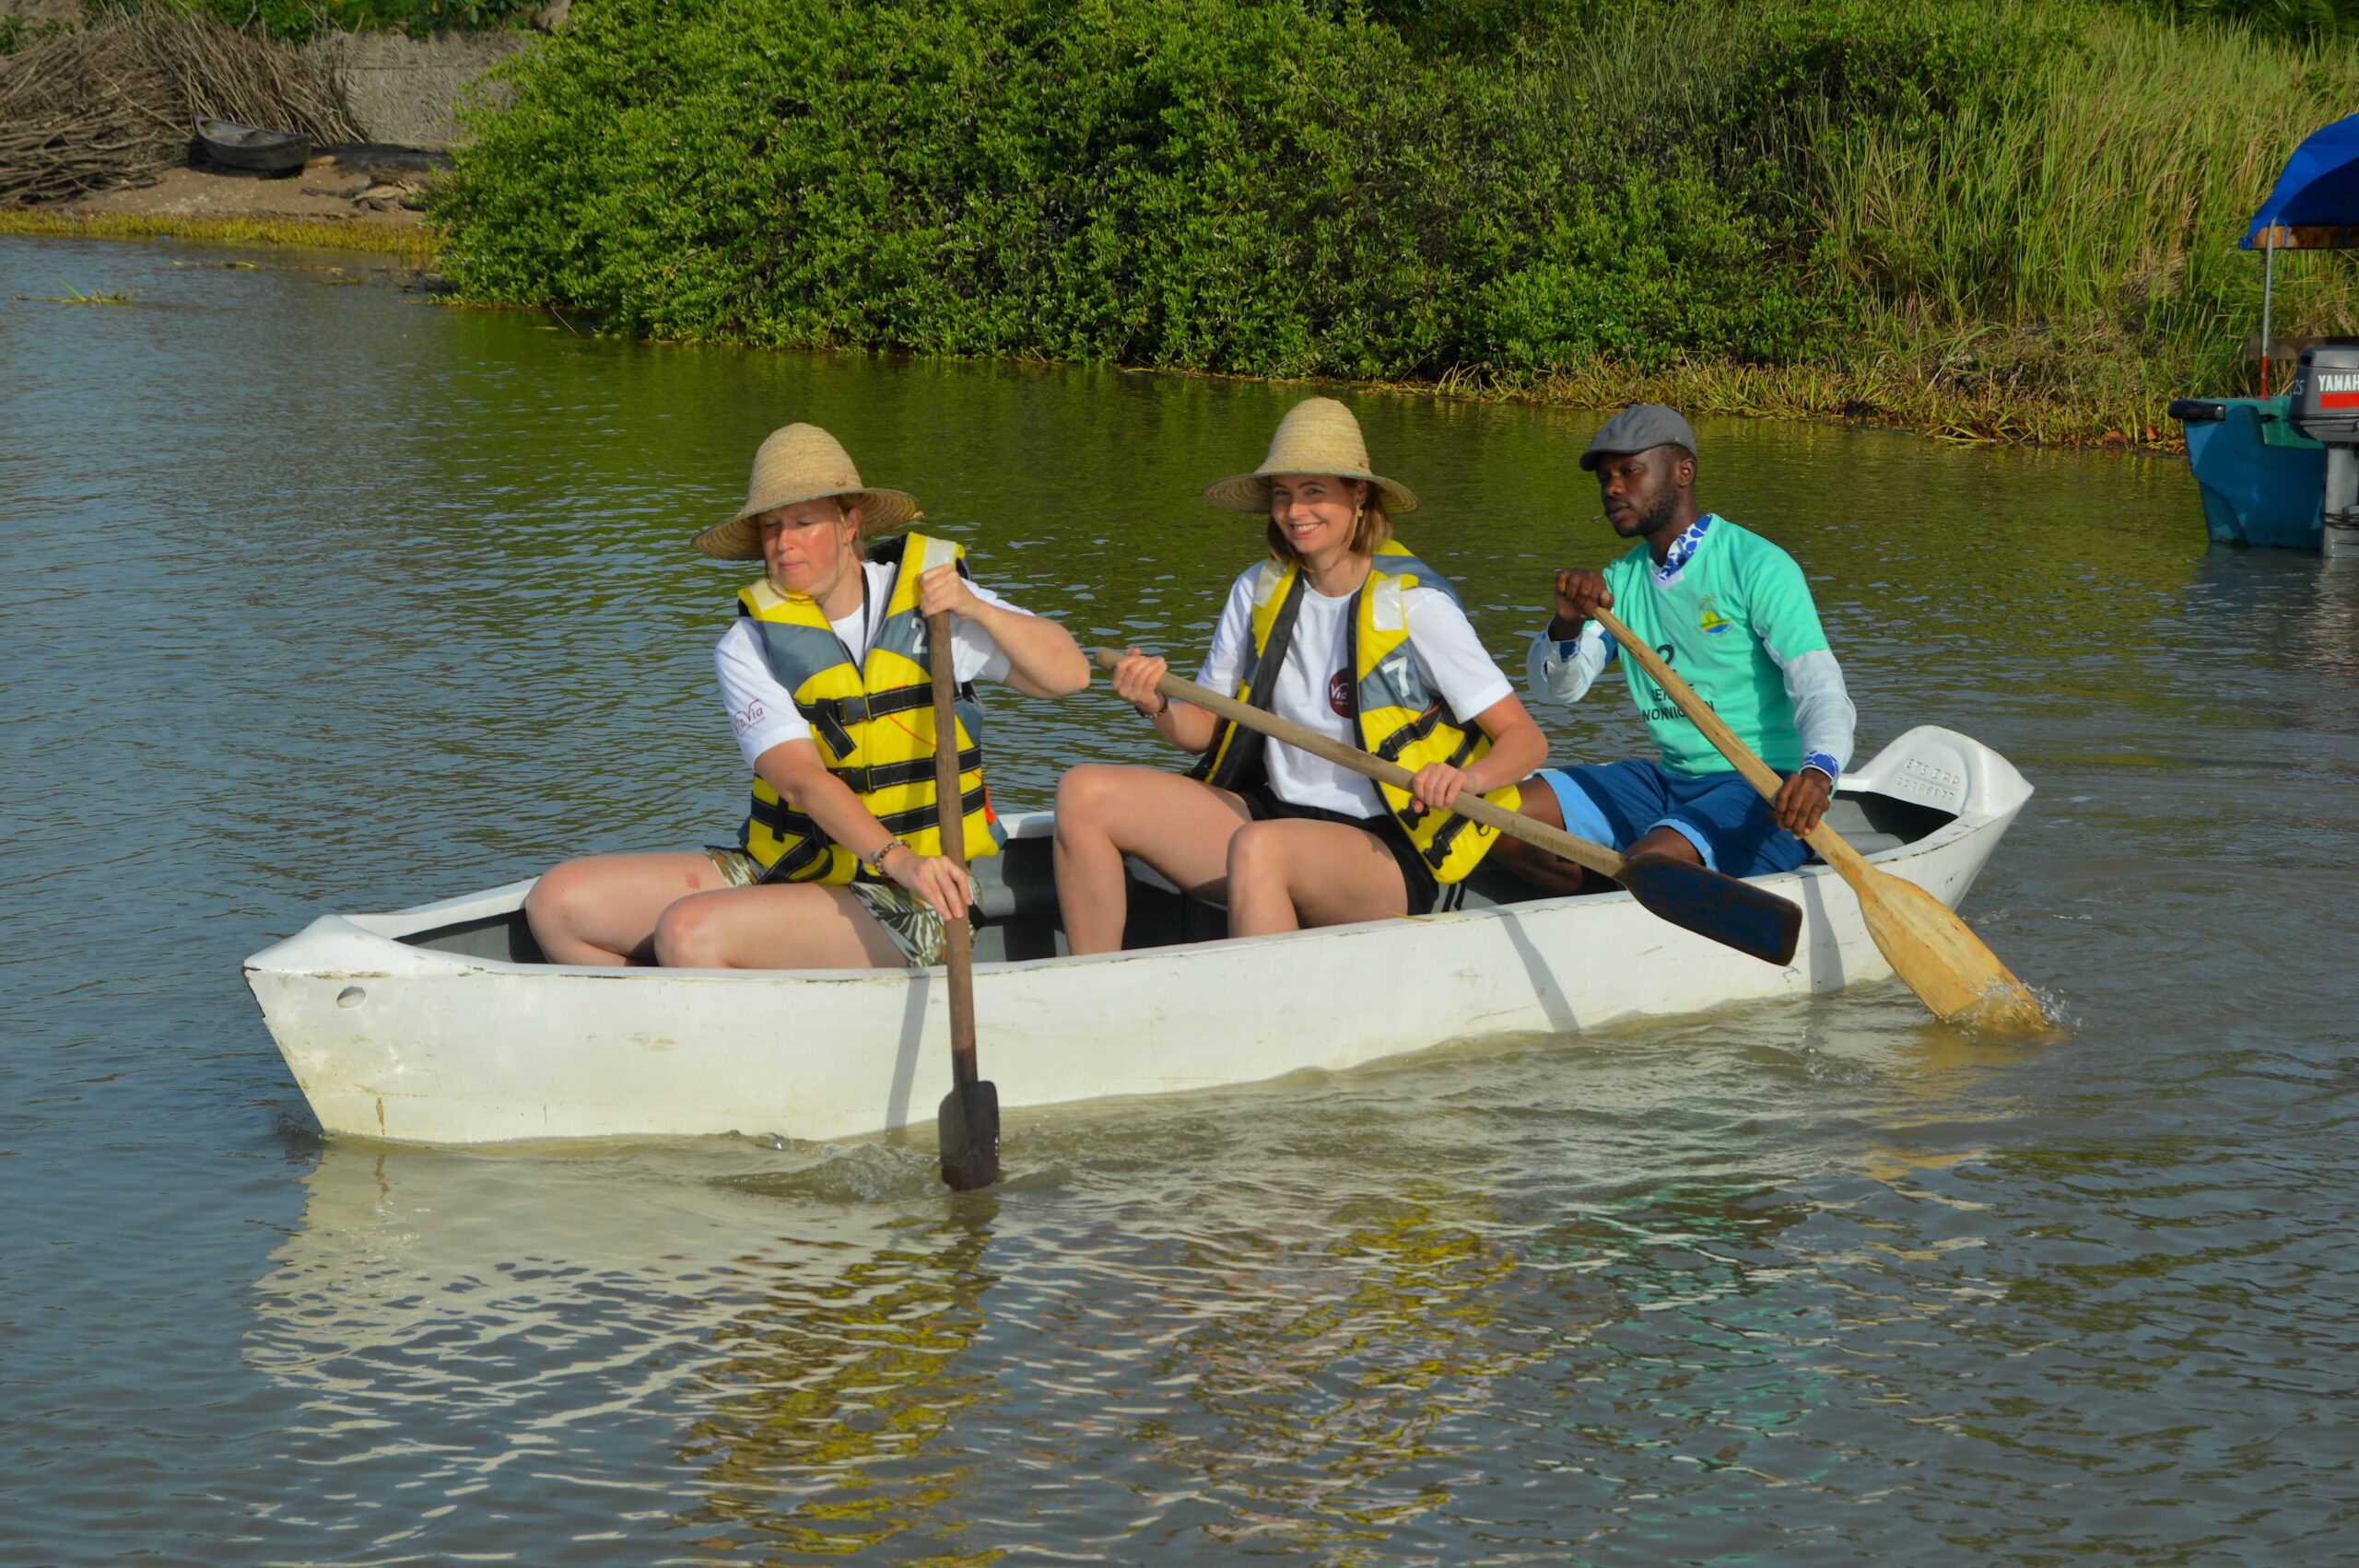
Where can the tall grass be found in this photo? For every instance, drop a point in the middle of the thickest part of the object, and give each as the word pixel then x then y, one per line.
pixel 2076 235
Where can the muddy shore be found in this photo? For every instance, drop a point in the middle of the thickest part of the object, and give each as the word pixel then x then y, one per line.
pixel 369 184
pixel 361 197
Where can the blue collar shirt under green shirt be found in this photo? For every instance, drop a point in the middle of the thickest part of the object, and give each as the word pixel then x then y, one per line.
pixel 1733 614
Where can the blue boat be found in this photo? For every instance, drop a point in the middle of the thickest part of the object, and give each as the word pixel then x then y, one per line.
pixel 2262 480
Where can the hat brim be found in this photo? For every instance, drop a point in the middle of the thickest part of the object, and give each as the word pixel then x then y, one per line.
pixel 1250 493
pixel 1595 455
pixel 881 512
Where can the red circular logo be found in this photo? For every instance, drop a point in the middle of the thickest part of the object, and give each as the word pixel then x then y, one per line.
pixel 1339 693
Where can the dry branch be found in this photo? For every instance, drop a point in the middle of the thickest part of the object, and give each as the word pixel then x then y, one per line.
pixel 116 103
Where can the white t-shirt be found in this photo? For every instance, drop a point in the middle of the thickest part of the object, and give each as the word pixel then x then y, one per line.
pixel 762 711
pixel 1314 685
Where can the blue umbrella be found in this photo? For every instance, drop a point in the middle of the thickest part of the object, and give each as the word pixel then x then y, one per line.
pixel 2314 205
pixel 2319 189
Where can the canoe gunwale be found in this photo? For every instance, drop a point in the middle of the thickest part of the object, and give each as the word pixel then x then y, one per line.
pixel 393 928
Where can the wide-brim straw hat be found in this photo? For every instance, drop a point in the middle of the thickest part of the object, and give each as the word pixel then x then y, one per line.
pixel 1318 435
pixel 803 462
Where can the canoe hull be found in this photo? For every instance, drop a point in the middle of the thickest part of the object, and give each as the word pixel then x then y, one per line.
pixel 391 1041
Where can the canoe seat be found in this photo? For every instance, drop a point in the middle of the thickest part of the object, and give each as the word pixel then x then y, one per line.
pixel 1018 882
pixel 1872 824
pixel 1866 844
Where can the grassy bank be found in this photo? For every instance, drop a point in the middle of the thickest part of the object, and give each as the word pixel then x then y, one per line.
pixel 417 245
pixel 2000 221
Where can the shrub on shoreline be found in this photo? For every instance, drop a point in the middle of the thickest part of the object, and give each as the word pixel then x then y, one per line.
pixel 2023 205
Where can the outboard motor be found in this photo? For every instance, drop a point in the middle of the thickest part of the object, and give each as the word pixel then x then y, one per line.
pixel 2326 408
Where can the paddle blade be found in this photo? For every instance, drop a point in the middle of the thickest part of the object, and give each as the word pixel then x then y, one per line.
pixel 1941 959
pixel 1734 914
pixel 968 1125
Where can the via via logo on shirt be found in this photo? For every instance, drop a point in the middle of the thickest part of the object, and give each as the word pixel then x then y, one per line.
pixel 1339 693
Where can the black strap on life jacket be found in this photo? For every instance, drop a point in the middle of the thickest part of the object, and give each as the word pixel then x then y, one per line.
pixel 1241 767
pixel 786 821
pixel 834 716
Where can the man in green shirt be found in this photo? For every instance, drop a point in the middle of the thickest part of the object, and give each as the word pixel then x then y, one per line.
pixel 1731 611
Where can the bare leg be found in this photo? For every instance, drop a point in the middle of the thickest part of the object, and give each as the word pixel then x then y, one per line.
pixel 1285 875
pixel 782 926
pixel 603 908
pixel 1178 825
pixel 1667 841
pixel 1541 869
pixel 1536 865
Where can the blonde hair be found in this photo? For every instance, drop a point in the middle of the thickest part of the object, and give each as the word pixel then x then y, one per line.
pixel 1371 530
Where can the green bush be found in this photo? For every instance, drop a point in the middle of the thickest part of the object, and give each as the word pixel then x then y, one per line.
pixel 1207 183
pixel 1498 190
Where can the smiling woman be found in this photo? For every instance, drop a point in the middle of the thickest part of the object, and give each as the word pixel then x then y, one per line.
pixel 1345 631
pixel 826 678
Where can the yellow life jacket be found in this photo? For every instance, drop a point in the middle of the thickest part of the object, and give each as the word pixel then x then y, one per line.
pixel 1399 718
pixel 873 723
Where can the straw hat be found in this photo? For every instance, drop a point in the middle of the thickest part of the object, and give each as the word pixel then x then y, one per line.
pixel 1318 435
pixel 803 462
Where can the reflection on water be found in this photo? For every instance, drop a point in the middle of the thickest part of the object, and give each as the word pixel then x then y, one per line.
pixel 1646 1293
pixel 401 607
pixel 827 1397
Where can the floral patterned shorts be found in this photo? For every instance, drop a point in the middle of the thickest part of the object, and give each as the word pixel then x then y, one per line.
pixel 909 919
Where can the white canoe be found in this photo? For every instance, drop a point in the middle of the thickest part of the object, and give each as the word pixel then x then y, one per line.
pixel 436 1024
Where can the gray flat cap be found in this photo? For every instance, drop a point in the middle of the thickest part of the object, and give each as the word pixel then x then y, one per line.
pixel 1642 426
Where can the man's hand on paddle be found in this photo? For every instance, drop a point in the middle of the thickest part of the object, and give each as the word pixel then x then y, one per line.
pixel 1580 595
pixel 945 588
pixel 1802 802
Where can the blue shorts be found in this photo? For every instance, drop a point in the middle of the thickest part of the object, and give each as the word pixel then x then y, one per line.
pixel 1617 804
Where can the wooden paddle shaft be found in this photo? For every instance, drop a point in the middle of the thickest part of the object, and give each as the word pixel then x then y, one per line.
pixel 950 812
pixel 1757 773
pixel 1472 806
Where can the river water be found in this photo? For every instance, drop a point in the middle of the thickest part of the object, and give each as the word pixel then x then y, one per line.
pixel 320 595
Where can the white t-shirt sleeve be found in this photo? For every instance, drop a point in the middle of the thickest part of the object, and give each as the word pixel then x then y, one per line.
pixel 761 713
pixel 1232 638
pixel 1453 659
pixel 976 655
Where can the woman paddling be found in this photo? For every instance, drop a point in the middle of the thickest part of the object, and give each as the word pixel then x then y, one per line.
pixel 827 676
pixel 1345 631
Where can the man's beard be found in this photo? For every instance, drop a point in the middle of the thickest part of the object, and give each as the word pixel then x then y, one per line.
pixel 1653 520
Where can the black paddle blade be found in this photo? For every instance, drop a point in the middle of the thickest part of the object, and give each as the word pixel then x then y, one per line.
pixel 969 1126
pixel 1732 913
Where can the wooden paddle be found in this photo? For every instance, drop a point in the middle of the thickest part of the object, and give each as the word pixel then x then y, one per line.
pixel 1753 921
pixel 966 1126
pixel 1940 957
